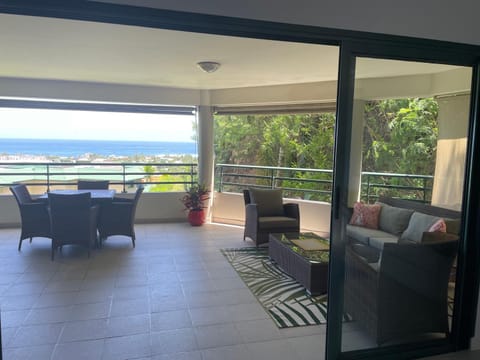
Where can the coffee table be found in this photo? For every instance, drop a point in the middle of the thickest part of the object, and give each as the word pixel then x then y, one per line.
pixel 308 267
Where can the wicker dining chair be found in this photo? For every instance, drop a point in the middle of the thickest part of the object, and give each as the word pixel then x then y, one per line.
pixel 93 184
pixel 73 220
pixel 118 217
pixel 33 214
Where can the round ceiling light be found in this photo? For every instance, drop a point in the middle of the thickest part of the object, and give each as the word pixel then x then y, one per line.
pixel 208 66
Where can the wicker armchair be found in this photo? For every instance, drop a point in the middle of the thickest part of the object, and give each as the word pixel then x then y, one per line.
pixel 118 217
pixel 402 295
pixel 73 220
pixel 265 213
pixel 34 215
pixel 93 184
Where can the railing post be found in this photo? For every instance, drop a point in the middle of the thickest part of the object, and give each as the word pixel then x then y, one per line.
pixel 191 174
pixel 424 190
pixel 368 189
pixel 220 182
pixel 272 179
pixel 124 176
pixel 48 178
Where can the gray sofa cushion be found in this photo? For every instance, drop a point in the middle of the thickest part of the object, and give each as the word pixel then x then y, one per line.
pixel 276 222
pixel 269 202
pixel 419 223
pixel 363 235
pixel 394 220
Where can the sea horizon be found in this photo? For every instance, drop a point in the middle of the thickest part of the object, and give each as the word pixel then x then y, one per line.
pixel 74 148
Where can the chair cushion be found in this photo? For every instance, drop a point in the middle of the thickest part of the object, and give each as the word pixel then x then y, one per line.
pixel 363 235
pixel 378 242
pixel 269 201
pixel 276 222
pixel 394 220
pixel 419 223
pixel 365 215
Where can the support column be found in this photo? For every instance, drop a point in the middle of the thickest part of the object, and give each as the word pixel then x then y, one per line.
pixel 205 145
pixel 355 176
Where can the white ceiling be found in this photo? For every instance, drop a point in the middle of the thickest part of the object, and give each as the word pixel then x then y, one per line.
pixel 56 49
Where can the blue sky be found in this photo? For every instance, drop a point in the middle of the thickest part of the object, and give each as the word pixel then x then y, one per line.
pixel 67 124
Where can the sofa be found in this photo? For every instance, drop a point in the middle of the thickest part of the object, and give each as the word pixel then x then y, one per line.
pixel 397 276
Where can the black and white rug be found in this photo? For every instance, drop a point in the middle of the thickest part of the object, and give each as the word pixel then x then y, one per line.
pixel 283 298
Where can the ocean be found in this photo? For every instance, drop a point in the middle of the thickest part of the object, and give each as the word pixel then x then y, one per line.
pixel 76 148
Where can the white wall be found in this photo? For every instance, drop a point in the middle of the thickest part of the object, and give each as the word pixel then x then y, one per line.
pixel 431 19
pixel 152 207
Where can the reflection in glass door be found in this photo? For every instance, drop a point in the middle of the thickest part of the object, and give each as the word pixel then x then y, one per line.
pixel 406 178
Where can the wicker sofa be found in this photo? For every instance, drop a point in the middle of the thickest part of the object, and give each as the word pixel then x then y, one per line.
pixel 397 289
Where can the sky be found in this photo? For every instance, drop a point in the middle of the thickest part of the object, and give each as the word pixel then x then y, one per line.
pixel 81 125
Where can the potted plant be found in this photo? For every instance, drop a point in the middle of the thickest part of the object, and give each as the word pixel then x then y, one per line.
pixel 193 200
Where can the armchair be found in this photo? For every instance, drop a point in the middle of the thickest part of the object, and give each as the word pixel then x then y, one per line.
pixel 73 220
pixel 118 217
pixel 402 295
pixel 33 214
pixel 265 213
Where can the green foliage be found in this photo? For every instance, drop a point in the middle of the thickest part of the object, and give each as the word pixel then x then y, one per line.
pixel 400 136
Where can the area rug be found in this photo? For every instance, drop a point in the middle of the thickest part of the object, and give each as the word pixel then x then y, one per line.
pixel 285 300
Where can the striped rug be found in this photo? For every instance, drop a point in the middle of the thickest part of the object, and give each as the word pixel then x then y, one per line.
pixel 285 300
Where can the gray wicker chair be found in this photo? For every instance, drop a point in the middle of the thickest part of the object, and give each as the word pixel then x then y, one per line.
pixel 404 294
pixel 93 184
pixel 265 213
pixel 73 220
pixel 118 217
pixel 34 215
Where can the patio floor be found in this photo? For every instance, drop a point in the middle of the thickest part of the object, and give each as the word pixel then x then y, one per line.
pixel 172 297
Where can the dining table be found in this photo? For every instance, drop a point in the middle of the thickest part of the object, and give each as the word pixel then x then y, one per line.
pixel 98 195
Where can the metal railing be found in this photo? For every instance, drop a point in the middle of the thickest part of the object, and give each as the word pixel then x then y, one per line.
pixel 316 184
pixel 50 174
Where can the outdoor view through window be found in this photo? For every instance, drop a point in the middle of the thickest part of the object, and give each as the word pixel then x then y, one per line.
pixel 92 144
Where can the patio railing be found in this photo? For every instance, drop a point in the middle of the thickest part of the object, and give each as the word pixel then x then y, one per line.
pixel 43 176
pixel 316 184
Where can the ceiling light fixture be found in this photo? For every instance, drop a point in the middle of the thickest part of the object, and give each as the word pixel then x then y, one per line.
pixel 208 66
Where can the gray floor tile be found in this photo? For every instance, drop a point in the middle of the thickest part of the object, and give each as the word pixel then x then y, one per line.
pixel 213 336
pixel 42 352
pixel 173 341
pixel 36 335
pixel 84 330
pixel 128 325
pixel 127 347
pixel 79 350
pixel 170 320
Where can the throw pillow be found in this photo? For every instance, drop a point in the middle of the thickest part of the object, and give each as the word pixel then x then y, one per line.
pixel 394 220
pixel 419 223
pixel 269 201
pixel 438 225
pixel 365 215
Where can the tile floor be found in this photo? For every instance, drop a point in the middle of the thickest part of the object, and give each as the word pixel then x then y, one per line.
pixel 172 297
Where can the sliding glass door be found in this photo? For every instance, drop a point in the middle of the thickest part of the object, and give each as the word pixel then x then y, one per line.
pixel 398 212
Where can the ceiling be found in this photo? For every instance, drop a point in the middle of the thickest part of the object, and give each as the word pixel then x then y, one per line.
pixel 56 49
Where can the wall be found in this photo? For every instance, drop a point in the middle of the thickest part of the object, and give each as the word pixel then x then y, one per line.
pixel 152 207
pixel 430 19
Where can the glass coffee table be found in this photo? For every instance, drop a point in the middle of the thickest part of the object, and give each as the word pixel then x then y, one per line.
pixel 304 257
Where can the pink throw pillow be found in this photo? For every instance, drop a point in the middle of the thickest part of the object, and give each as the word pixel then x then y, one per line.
pixel 366 215
pixel 439 226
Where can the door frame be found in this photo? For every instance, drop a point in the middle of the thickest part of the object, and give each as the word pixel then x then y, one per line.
pixel 352 43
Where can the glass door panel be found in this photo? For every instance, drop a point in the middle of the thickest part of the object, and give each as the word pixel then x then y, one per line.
pixel 406 177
